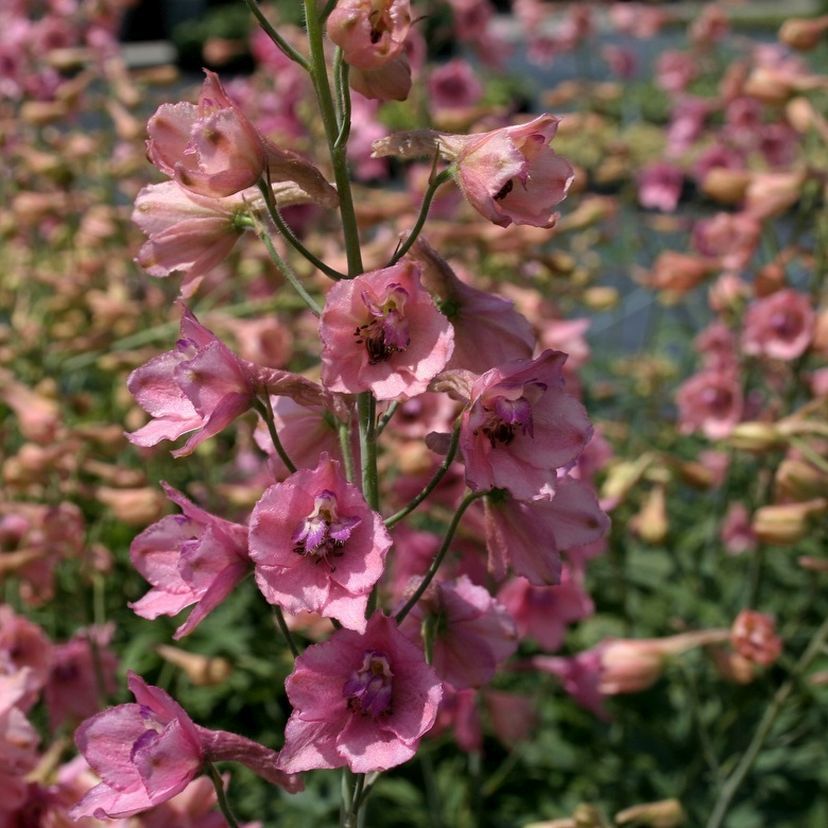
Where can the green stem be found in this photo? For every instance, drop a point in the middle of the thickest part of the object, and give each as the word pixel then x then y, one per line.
pixel 344 432
pixel 290 236
pixel 441 553
pixel 275 36
pixel 432 484
pixel 367 407
pixel 283 628
pixel 735 780
pixel 434 185
pixel 221 796
pixel 386 418
pixel 266 411
pixel 285 269
pixel 356 800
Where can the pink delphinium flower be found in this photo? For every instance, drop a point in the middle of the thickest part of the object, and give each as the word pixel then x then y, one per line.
pixel 544 613
pixel 472 632
pixel 687 121
pixel 191 558
pixel 317 546
pixel 716 345
pixel 369 33
pixel 363 701
pixel 212 148
pixel 381 332
pixel 512 174
pixel 675 71
pixel 754 637
pixel 18 741
pixel 659 186
pixel 736 532
pixel 529 536
pixel 203 386
pixel 454 85
pixel 82 670
pixel 730 238
pixel 186 231
pixel 458 712
pixel 621 62
pixel 24 646
pixel 389 82
pixel 580 676
pixel 488 330
pixel 148 752
pixel 711 402
pixel 780 326
pixel 520 426
pixel 513 717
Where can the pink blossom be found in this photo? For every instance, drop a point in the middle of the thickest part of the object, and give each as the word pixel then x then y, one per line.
pixel 512 174
pixel 186 231
pixel 513 717
pixel 202 386
pixel 191 558
pixel 754 637
pixel 640 20
pixel 363 701
pixel 389 82
pixel 369 33
pixel 736 532
pixel 780 326
pixel 659 186
pixel 710 402
pixel 529 536
pixel 458 712
pixel 317 546
pixel 83 672
pixel 543 613
pixel 520 426
pixel 471 633
pixel 687 121
pixel 730 238
pixel 580 676
pixel 488 330
pixel 382 333
pixel 211 149
pixel 621 62
pixel 18 740
pixel 24 647
pixel 454 85
pixel 716 345
pixel 675 70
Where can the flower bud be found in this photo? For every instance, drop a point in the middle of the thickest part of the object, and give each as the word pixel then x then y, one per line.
pixel 665 814
pixel 803 34
pixel 787 523
pixel 601 298
pixel 753 636
pixel 755 436
pixel 651 523
pixel 135 506
pixel 201 670
pixel 725 185
pixel 733 667
pixel 799 480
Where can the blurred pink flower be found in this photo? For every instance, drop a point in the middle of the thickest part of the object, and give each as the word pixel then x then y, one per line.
pixel 369 33
pixel 18 741
pixel 24 646
pixel 364 701
pixel 317 546
pixel 711 402
pixel 674 71
pixel 736 532
pixel 754 637
pixel 454 85
pixel 191 558
pixel 780 326
pixel 381 332
pixel 659 186
pixel 730 238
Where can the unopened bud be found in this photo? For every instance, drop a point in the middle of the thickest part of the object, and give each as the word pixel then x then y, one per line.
pixel 135 506
pixel 725 185
pixel 623 476
pixel 600 298
pixel 696 475
pixel 733 667
pixel 201 670
pixel 799 480
pixel 651 523
pixel 755 436
pixel 41 113
pixel 665 814
pixel 588 816
pixel 787 523
pixel 803 34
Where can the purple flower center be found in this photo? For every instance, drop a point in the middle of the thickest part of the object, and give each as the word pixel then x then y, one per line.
pixel 387 331
pixel 501 417
pixel 324 531
pixel 368 690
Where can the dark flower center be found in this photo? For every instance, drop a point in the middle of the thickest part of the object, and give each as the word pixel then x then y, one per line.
pixel 369 688
pixel 324 532
pixel 386 333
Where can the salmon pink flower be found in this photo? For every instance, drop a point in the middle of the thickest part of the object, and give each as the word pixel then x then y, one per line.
pixel 369 32
pixel 731 238
pixel 471 632
pixel 780 326
pixel 18 741
pixel 203 386
pixel 710 402
pixel 382 333
pixel 754 637
pixel 191 558
pixel 659 186
pixel 521 426
pixel 24 648
pixel 529 536
pixel 364 701
pixel 148 752
pixel 512 174
pixel 317 546
pixel 212 148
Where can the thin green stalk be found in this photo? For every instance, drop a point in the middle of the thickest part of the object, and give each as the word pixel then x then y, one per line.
pixel 356 801
pixel 275 36
pixel 290 236
pixel 735 780
pixel 283 628
pixel 386 418
pixel 441 553
pixel 344 432
pixel 367 408
pixel 286 270
pixel 432 484
pixel 266 411
pixel 221 796
pixel 433 186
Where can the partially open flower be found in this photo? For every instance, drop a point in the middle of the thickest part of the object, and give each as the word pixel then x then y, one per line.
pixel 779 326
pixel 369 32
